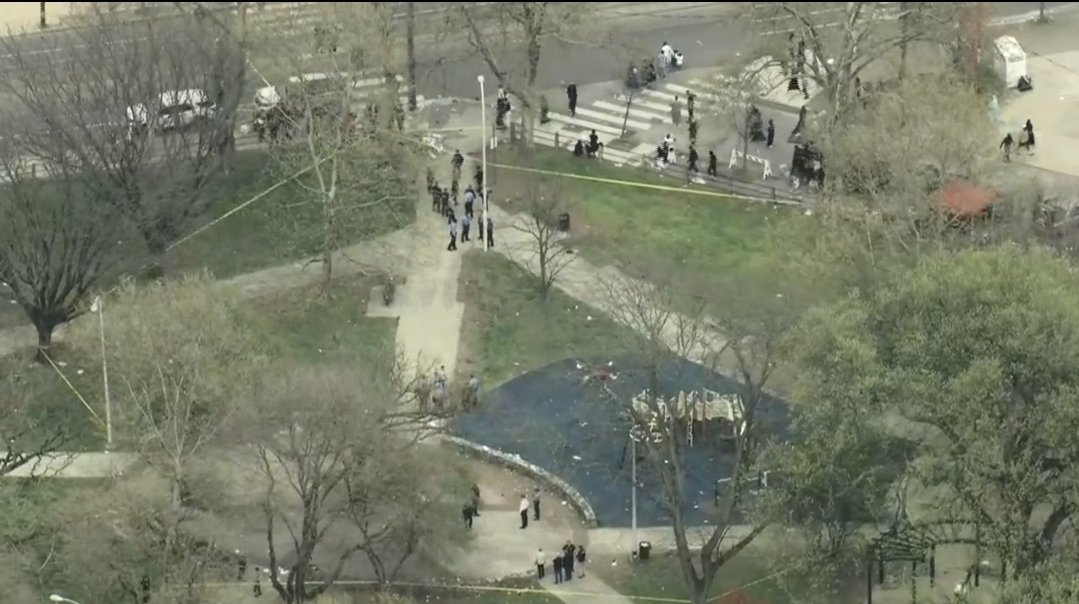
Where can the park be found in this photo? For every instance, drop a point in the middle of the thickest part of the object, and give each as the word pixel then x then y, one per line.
pixel 247 355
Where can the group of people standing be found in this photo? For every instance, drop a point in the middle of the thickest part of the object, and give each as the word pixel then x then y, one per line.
pixel 442 198
pixel 563 563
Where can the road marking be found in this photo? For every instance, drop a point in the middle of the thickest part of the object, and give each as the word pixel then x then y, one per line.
pixel 613 119
pixel 585 124
pixel 663 118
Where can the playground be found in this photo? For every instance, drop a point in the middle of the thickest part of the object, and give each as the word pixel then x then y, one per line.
pixel 559 418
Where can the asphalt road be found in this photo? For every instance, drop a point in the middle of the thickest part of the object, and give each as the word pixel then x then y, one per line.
pixel 706 36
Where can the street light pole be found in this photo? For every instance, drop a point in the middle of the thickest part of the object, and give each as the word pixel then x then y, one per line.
pixel 62 599
pixel 99 307
pixel 633 492
pixel 483 158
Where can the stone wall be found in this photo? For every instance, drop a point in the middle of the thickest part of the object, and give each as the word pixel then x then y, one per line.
pixel 515 463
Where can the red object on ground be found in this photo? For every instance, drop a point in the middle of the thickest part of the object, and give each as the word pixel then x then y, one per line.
pixel 737 596
pixel 965 200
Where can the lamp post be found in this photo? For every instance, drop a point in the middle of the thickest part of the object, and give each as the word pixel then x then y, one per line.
pixel 483 157
pixel 633 492
pixel 99 307
pixel 59 598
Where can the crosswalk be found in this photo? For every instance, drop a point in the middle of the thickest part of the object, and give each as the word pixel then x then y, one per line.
pixel 774 18
pixel 650 117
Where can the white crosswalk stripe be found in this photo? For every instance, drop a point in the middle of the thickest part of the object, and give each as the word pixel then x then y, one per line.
pixel 650 112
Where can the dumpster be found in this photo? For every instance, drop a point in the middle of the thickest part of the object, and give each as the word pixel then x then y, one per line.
pixel 644 550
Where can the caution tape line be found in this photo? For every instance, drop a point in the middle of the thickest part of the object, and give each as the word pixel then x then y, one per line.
pixel 475 588
pixel 646 185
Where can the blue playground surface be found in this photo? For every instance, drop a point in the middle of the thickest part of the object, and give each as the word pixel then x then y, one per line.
pixel 555 419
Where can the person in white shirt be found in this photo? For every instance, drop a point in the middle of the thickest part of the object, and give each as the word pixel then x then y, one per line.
pixel 541 561
pixel 666 55
pixel 524 511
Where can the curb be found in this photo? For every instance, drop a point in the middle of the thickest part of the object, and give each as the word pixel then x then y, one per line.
pixel 515 462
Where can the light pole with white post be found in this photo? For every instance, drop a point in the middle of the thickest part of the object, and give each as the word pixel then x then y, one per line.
pixel 483 159
pixel 633 493
pixel 99 307
pixel 59 598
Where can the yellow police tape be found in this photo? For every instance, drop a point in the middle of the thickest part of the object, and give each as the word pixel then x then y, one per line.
pixel 645 185
pixel 518 590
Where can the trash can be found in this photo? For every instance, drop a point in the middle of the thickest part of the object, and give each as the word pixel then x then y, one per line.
pixel 644 550
pixel 563 222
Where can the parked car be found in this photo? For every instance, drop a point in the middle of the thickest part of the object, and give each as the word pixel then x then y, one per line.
pixel 172 110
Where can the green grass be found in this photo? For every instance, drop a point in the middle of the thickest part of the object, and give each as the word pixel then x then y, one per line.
pixel 276 229
pixel 661 577
pixel 668 236
pixel 510 329
pixel 297 325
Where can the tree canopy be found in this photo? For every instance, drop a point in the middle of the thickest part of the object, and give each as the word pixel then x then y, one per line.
pixel 974 357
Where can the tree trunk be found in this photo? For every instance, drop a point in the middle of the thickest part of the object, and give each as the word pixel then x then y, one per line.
pixel 45 330
pixel 745 141
pixel 625 117
pixel 410 26
pixel 904 22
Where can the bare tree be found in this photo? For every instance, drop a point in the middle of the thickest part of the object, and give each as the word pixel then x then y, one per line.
pixel 57 240
pixel 840 40
pixel 361 162
pixel 32 432
pixel 117 548
pixel 543 209
pixel 498 30
pixel 120 112
pixel 664 428
pixel 334 444
pixel 181 357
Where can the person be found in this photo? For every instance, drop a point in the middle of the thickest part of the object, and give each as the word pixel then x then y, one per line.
pixel 541 561
pixel 676 112
pixel 523 508
pixel 771 133
pixel 578 149
pixel 666 56
pixel 544 110
pixel 472 395
pixel 475 500
pixel 456 162
pixel 468 512
pixel 466 222
pixel 593 143
pixel 490 232
pixel 477 175
pixel 470 197
pixel 436 197
pixel 1029 129
pixel 256 589
pixel 800 125
pixel 556 562
pixel 692 167
pixel 581 557
pixel 241 565
pixel 535 503
pixel 568 550
pixel 693 132
pixel 571 97
pixel 453 191
pixel 712 164
pixel 1006 146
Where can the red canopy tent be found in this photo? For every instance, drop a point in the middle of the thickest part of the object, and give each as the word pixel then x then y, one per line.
pixel 963 199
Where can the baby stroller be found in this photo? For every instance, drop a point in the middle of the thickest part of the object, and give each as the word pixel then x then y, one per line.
pixel 678 60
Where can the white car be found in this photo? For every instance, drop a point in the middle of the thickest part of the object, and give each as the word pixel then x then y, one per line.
pixel 173 109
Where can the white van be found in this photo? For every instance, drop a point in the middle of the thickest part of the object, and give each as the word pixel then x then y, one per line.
pixel 174 109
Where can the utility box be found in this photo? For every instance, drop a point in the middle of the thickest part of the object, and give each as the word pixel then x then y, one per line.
pixel 1009 60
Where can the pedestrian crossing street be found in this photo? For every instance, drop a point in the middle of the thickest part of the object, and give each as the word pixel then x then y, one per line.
pixel 649 117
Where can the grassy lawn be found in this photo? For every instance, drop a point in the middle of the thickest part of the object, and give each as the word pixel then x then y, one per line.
pixel 668 236
pixel 274 230
pixel 510 329
pixel 298 325
pixel 661 577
